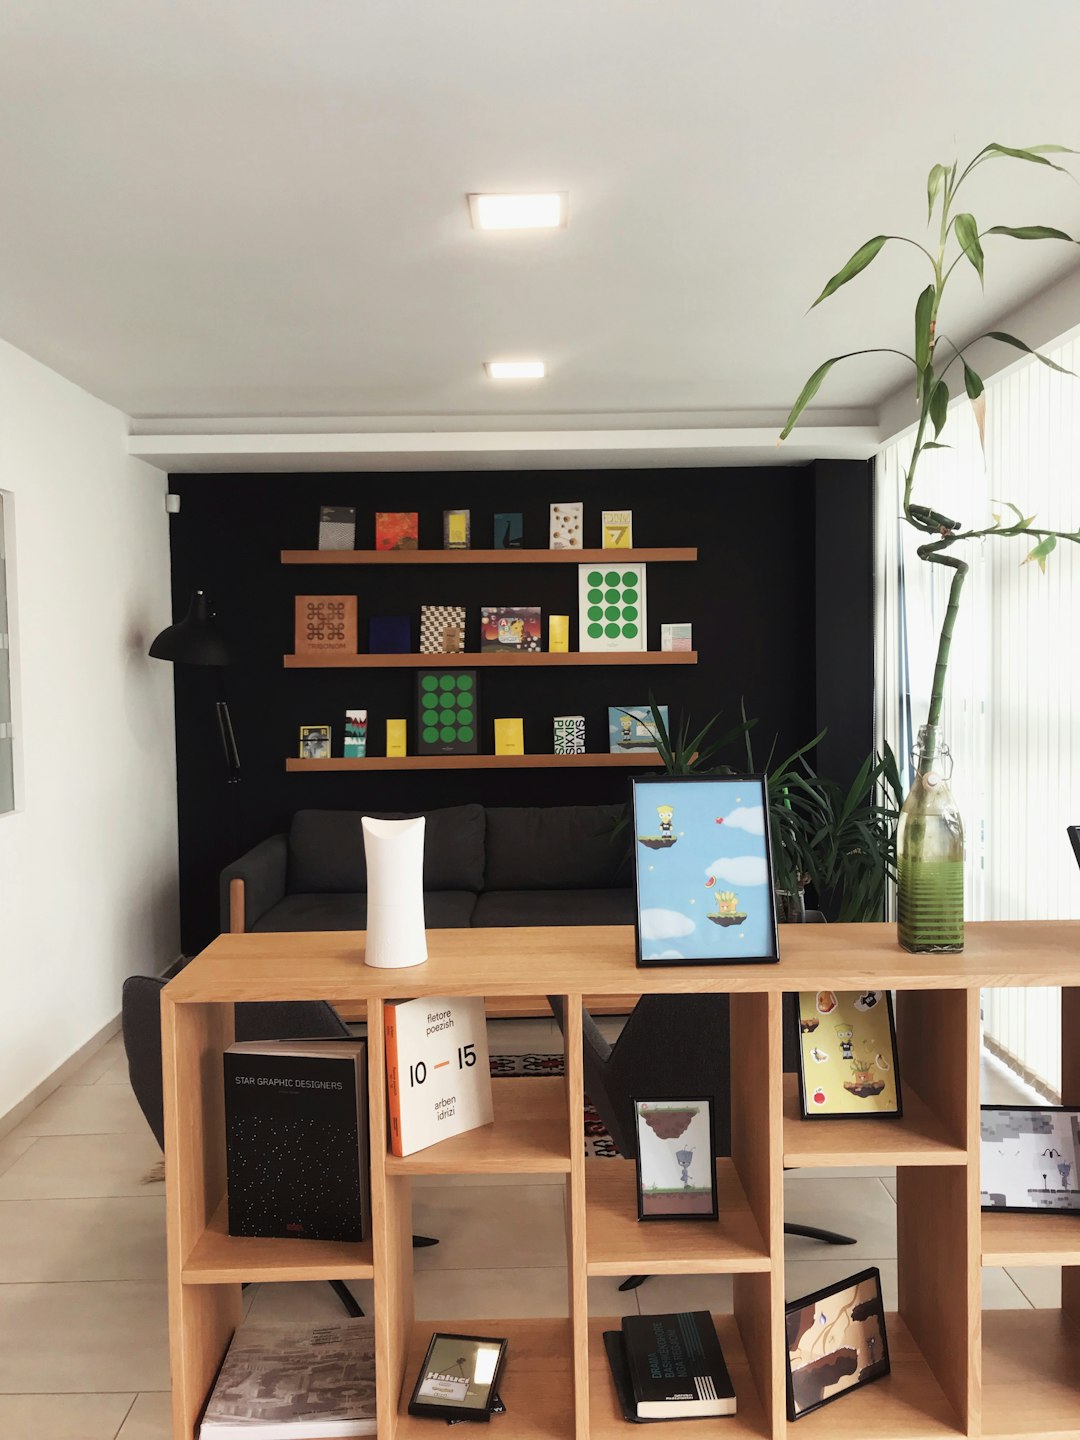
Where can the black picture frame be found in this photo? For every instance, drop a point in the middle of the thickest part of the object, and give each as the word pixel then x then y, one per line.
pixel 647 1212
pixel 444 1409
pixel 806 1110
pixel 1074 1164
pixel 650 948
pixel 794 1308
pixel 1073 832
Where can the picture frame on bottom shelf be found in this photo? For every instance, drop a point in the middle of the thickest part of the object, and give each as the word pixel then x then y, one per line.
pixel 848 1062
pixel 459 1377
pixel 702 871
pixel 822 1330
pixel 674 1158
pixel 1029 1158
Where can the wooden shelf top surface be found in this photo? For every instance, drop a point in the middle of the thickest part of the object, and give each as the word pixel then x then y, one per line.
pixel 619 1244
pixel 915 1138
pixel 218 1257
pixel 655 555
pixel 536 1386
pixel 600 959
pixel 482 659
pixel 637 760
pixel 529 1135
pixel 1031 1381
pixel 1044 1239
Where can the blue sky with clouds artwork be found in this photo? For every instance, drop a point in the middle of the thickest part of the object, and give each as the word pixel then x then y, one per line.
pixel 704 887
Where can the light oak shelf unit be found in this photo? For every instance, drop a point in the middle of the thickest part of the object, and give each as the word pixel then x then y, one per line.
pixel 955 1372
pixel 613 558
pixel 643 760
pixel 483 659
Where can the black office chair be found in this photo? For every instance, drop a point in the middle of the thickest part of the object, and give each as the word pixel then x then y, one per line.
pixel 670 1045
pixel 276 1020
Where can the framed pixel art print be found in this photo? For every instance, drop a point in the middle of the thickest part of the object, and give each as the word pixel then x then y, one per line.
pixel 676 1171
pixel 847 1054
pixel 703 871
pixel 1030 1157
pixel 836 1342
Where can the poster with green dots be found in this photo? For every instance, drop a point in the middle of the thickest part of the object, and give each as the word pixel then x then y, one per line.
pixel 611 601
pixel 447 718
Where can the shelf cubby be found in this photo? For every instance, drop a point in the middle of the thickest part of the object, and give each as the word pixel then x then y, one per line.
pixel 1030 1375
pixel 918 1137
pixel 617 1243
pixel 529 1136
pixel 1048 1239
pixel 218 1257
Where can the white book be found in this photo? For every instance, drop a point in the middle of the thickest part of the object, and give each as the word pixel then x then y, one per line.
pixel 438 1076
pixel 295 1382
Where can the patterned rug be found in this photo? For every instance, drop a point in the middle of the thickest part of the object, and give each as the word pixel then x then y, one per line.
pixel 598 1143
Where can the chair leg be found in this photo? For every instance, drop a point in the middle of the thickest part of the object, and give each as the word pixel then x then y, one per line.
pixel 811 1232
pixel 345 1295
pixel 633 1282
pixel 420 1242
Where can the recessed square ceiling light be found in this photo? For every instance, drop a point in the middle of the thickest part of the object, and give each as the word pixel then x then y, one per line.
pixel 518 212
pixel 515 369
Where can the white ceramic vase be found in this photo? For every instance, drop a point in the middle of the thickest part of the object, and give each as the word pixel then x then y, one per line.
pixel 395 875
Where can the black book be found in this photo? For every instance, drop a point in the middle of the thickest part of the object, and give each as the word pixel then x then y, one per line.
pixel 676 1366
pixel 297 1139
pixel 620 1374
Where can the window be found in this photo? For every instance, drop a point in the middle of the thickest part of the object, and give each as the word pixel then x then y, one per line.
pixel 7 740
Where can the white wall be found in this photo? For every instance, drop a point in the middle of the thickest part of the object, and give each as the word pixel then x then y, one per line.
pixel 88 861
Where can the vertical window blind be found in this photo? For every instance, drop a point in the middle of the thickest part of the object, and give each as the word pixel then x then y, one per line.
pixel 1011 715
pixel 7 741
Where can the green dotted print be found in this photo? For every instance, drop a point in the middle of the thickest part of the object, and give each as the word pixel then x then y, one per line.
pixel 595 578
pixel 595 631
pixel 430 682
pixel 630 631
pixel 611 631
pixel 430 735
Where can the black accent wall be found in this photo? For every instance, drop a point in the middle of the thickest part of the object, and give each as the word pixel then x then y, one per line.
pixel 780 600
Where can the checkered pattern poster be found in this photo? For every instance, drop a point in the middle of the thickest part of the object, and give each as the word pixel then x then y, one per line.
pixel 448 720
pixel 611 601
pixel 442 629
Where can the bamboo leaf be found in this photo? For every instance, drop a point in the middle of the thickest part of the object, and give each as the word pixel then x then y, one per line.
pixel 933 186
pixel 978 409
pixel 967 232
pixel 935 445
pixel 1036 154
pixel 1041 551
pixel 859 261
pixel 1019 345
pixel 972 383
pixel 809 390
pixel 924 308
pixel 1031 232
pixel 939 406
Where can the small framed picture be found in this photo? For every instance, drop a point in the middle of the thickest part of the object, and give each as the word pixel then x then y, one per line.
pixel 315 742
pixel 676 1171
pixel 847 1054
pixel 835 1342
pixel 459 1379
pixel 703 871
pixel 1030 1157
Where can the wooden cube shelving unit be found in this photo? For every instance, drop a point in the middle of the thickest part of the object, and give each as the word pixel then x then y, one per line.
pixel 955 1371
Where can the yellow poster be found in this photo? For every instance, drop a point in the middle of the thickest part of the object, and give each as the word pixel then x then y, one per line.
pixel 847 1053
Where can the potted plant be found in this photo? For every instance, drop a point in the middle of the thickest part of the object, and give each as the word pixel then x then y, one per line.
pixel 930 897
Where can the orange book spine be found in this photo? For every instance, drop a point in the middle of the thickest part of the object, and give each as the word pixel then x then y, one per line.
pixel 393 1085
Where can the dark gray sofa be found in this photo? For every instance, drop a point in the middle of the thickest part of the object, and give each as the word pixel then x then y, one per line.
pixel 557 865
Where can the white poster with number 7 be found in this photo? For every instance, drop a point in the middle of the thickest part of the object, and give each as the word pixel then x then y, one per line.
pixel 438 1077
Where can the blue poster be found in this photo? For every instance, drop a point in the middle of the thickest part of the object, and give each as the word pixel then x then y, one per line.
pixel 704 881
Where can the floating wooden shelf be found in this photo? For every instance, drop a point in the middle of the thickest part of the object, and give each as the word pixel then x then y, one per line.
pixel 528 1136
pixel 218 1257
pixel 641 760
pixel 613 558
pixel 479 659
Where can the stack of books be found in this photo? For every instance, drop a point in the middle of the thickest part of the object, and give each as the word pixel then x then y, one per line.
pixel 669 1367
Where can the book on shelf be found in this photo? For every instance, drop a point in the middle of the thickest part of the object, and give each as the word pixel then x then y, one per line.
pixel 569 734
pixel 617 530
pixel 566 526
pixel 677 637
pixel 442 629
pixel 510 629
pixel 438 1075
pixel 355 734
pixel 390 635
pixel 509 530
pixel 296 1139
pixel 325 625
pixel 457 530
pixel 676 1366
pixel 295 1382
pixel 397 529
pixel 337 527
pixel 510 736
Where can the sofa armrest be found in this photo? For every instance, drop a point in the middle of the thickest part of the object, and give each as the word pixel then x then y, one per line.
pixel 262 871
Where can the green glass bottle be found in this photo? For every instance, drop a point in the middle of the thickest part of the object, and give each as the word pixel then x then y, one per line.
pixel 930 854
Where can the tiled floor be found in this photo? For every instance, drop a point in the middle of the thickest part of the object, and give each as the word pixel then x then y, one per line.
pixel 83 1344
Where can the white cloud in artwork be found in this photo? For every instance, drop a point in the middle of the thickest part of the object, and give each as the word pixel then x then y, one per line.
pixel 751 819
pixel 665 955
pixel 665 924
pixel 740 870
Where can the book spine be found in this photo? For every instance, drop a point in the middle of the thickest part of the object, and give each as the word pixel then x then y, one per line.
pixel 393 1085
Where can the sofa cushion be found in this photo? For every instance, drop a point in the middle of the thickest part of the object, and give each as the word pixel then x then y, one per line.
pixel 443 910
pixel 558 847
pixel 554 907
pixel 326 849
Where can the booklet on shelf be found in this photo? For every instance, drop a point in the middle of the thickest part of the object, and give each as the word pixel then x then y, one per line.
pixel 296 1139
pixel 438 1075
pixel 295 1382
pixel 676 1366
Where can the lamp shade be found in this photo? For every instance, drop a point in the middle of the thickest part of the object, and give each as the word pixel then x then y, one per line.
pixel 195 640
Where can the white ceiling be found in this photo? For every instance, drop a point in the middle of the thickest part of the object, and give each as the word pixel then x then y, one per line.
pixel 256 208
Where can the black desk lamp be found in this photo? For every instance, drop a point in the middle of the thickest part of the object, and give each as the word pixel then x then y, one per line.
pixel 197 640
